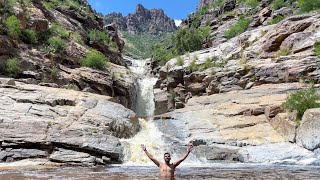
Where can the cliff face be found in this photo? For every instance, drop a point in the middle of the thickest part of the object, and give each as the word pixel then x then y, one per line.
pixel 51 101
pixel 152 21
pixel 238 84
pixel 50 42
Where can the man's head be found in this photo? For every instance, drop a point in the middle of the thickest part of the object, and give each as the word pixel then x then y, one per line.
pixel 167 157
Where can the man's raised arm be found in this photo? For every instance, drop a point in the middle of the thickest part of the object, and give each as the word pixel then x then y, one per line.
pixel 149 155
pixel 175 164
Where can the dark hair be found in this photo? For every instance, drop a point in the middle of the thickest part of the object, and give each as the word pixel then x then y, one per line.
pixel 166 153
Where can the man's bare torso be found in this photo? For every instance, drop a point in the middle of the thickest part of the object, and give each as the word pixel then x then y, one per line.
pixel 167 171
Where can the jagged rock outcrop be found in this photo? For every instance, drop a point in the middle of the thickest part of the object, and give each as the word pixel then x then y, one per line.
pixel 152 21
pixel 63 69
pixel 239 66
pixel 65 126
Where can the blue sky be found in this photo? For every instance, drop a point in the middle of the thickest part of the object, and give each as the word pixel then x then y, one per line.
pixel 176 9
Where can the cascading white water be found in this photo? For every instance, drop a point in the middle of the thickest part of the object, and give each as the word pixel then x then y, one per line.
pixel 149 135
pixel 145 98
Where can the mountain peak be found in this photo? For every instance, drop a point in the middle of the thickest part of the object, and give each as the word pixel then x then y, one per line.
pixel 153 21
pixel 140 8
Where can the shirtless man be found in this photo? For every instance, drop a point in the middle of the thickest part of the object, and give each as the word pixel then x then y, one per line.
pixel 167 169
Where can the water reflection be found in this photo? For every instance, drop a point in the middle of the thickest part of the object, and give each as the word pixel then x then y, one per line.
pixel 150 172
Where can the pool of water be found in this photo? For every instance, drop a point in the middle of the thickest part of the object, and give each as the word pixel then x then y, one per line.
pixel 217 171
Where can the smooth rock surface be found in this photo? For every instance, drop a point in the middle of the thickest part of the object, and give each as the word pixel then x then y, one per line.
pixel 308 133
pixel 42 118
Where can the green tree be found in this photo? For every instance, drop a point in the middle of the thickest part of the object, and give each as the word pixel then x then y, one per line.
pixel 308 5
pixel 13 26
pixel 6 6
pixel 188 40
pixel 96 36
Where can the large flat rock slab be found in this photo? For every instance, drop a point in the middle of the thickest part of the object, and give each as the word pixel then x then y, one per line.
pixel 36 119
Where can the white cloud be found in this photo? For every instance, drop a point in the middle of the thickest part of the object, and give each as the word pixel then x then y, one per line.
pixel 177 22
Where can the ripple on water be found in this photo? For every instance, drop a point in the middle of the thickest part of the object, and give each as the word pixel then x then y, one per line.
pixel 215 171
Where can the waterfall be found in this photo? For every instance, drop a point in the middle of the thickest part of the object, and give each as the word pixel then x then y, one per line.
pixel 145 98
pixel 157 143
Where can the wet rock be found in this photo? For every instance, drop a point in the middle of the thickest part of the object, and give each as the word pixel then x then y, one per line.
pixel 72 157
pixel 273 153
pixel 10 154
pixel 217 152
pixel 161 102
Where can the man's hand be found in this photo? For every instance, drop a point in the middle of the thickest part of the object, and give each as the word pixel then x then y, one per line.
pixel 190 147
pixel 143 147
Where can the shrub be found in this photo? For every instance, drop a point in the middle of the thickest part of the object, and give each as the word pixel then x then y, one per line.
pixel 95 59
pixel 317 49
pixel 276 20
pixel 57 30
pixel 54 73
pixel 196 21
pixel 12 66
pixel 308 5
pixel 77 38
pixel 205 31
pixel 29 36
pixel 253 78
pixel 193 66
pixel 141 44
pixel 188 40
pixel 283 52
pixel 172 96
pixel 96 36
pixel 301 101
pixel 277 4
pixel 162 54
pixel 252 3
pixel 240 27
pixel 180 61
pixel 6 6
pixel 13 26
pixel 218 3
pixel 57 44
pixel 207 64
pixel 204 10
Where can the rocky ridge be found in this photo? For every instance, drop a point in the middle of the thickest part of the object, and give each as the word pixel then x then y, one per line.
pixel 152 21
pixel 235 110
pixel 73 24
